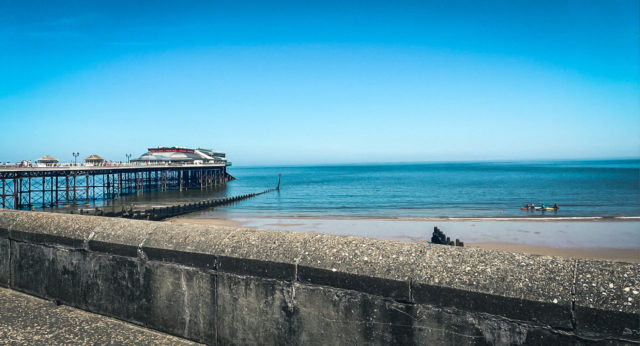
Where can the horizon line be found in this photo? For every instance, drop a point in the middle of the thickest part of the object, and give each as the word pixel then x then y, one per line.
pixel 310 164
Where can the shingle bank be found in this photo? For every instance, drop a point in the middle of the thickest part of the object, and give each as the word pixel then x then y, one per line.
pixel 221 285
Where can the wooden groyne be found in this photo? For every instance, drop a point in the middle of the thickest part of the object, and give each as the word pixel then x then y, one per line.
pixel 161 213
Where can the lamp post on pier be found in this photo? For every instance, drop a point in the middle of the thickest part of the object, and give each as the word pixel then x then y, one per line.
pixel 128 157
pixel 75 158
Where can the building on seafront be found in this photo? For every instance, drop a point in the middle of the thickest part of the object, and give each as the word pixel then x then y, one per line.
pixel 181 155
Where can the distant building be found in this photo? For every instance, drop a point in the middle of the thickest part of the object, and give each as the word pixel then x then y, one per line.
pixel 94 160
pixel 181 155
pixel 47 160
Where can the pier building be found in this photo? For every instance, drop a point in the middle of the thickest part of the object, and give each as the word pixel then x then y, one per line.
pixel 94 159
pixel 181 155
pixel 47 160
pixel 217 155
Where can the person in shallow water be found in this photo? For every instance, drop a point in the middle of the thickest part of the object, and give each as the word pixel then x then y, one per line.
pixel 555 206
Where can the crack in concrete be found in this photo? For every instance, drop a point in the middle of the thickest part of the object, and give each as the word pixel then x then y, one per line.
pixel 289 297
pixel 185 302
pixel 404 313
pixel 229 235
pixel 294 281
pixel 10 263
pixel 142 259
pixel 574 288
pixel 411 290
pixel 215 306
pixel 10 260
pixel 312 312
pixel 85 243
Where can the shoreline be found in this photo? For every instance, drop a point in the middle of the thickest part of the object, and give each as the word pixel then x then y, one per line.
pixel 195 216
pixel 571 238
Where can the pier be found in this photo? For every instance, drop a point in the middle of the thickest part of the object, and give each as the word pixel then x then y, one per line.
pixel 48 187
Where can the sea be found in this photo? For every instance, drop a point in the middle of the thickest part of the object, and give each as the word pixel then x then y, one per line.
pixel 581 189
pixel 604 188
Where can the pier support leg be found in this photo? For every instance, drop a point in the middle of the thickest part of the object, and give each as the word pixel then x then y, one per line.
pixel 74 190
pixel 57 200
pixel 52 200
pixel 86 196
pixel 16 197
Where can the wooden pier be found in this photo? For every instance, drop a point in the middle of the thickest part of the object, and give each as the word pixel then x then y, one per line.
pixel 43 187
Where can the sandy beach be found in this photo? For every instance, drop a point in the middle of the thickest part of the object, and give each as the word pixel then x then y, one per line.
pixel 593 238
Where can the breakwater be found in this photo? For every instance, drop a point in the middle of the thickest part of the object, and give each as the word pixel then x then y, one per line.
pixel 222 285
pixel 164 212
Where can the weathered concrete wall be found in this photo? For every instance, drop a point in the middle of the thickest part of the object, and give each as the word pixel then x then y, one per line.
pixel 223 285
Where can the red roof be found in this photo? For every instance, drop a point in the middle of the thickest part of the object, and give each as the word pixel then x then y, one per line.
pixel 171 150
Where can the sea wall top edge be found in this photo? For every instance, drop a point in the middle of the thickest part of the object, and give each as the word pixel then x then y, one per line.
pixel 545 279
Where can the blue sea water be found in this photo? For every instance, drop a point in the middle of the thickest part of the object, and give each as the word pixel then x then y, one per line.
pixel 423 190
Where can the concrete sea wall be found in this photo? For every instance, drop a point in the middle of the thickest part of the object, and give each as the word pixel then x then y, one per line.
pixel 221 285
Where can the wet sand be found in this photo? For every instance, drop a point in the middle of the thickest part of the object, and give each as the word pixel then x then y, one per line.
pixel 216 222
pixel 616 240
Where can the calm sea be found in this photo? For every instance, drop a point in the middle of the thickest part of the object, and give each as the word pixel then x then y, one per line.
pixel 580 188
pixel 421 190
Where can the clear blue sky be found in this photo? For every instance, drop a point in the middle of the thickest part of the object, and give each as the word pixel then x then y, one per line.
pixel 321 81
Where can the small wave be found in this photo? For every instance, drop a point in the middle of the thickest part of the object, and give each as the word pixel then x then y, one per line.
pixel 524 218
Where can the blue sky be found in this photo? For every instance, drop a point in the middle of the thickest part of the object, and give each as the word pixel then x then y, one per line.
pixel 321 81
